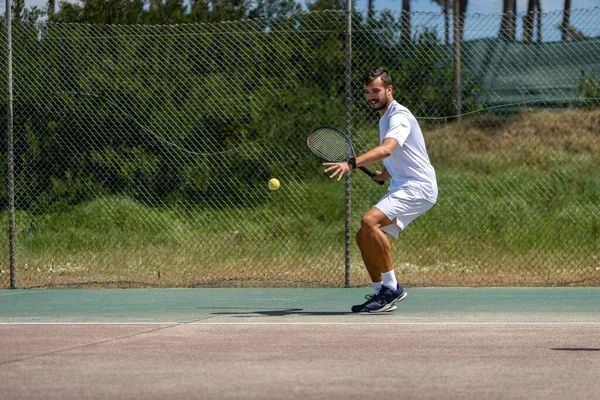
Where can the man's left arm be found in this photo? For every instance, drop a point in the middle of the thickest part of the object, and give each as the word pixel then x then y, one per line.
pixel 378 153
pixel 372 156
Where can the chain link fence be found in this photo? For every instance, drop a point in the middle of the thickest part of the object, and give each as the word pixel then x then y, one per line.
pixel 142 153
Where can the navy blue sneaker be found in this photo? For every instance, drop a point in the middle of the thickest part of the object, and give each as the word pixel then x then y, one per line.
pixel 362 307
pixel 386 299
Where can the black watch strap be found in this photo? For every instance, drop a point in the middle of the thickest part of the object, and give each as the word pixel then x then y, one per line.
pixel 352 162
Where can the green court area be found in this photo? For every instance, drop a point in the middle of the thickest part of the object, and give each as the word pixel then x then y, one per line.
pixel 432 305
pixel 441 343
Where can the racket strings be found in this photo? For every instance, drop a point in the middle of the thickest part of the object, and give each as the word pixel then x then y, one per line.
pixel 329 145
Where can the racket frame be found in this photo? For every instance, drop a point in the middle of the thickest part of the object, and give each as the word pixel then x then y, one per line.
pixel 351 154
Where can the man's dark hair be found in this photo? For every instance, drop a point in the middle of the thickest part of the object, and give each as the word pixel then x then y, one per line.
pixel 377 72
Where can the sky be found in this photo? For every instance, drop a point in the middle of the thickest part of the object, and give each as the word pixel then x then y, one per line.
pixel 474 6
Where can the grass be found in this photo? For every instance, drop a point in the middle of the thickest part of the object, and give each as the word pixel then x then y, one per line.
pixel 116 239
pixel 519 204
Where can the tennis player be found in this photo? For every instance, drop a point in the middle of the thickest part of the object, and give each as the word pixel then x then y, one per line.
pixel 412 189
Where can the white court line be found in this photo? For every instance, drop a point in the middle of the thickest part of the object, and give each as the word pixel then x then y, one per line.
pixel 552 323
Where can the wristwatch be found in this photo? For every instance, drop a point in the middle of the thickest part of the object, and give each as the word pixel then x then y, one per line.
pixel 352 162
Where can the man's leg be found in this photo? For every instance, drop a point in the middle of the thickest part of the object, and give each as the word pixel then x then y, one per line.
pixel 376 252
pixel 371 263
pixel 374 245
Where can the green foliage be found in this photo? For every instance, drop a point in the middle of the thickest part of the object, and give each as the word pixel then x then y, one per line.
pixel 423 76
pixel 171 113
pixel 128 12
pixel 322 5
pixel 22 14
pixel 588 90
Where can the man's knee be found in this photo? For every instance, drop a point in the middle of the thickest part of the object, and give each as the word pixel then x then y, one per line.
pixel 368 224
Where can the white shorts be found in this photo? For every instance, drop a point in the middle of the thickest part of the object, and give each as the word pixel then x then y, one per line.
pixel 404 206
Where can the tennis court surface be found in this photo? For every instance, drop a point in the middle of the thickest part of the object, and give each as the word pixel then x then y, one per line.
pixel 441 343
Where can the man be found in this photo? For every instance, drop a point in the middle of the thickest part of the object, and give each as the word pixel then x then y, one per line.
pixel 412 190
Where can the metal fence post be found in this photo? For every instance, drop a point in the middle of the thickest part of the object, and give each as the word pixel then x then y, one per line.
pixel 457 45
pixel 10 149
pixel 348 89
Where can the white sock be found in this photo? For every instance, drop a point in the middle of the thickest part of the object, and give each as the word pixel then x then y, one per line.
pixel 376 287
pixel 389 280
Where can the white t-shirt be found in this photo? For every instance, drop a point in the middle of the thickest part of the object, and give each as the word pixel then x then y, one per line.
pixel 409 164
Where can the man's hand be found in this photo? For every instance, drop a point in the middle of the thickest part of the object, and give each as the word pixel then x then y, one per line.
pixel 338 168
pixel 380 176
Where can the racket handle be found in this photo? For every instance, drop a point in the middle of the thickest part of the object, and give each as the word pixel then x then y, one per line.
pixel 371 174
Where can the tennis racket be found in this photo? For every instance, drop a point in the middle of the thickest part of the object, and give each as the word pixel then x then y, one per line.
pixel 332 145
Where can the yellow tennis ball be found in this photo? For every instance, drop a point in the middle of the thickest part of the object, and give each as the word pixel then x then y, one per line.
pixel 273 184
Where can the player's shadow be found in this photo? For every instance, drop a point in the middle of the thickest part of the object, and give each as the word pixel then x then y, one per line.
pixel 279 313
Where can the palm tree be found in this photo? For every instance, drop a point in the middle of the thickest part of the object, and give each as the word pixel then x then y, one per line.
pixel 18 6
pixel 566 22
pixel 370 11
pixel 405 20
pixel 445 9
pixel 568 32
pixel 508 24
pixel 51 7
pixel 529 21
pixel 462 10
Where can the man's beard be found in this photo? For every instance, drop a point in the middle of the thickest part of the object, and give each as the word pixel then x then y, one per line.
pixel 383 104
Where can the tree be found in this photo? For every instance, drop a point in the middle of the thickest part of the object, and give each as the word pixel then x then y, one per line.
pixel 405 25
pixel 462 7
pixel 200 11
pixel 529 21
pixel 230 10
pixel 566 22
pixel 446 11
pixel 370 11
pixel 567 31
pixel 17 9
pixel 20 13
pixel 167 12
pixel 508 24
pixel 51 7
pixel 274 8
pixel 322 5
pixel 100 12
